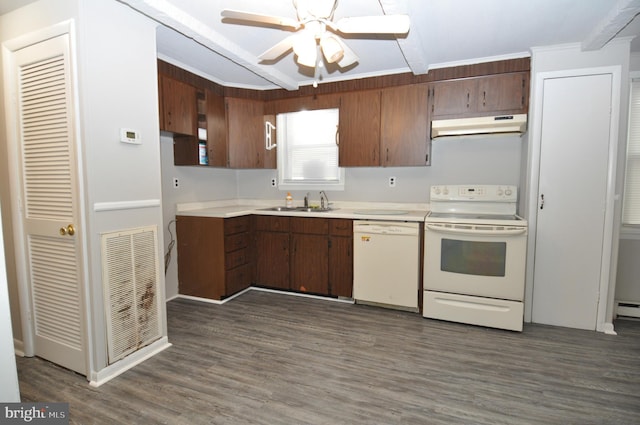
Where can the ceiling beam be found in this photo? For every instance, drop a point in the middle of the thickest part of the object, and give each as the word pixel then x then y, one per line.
pixel 618 17
pixel 167 14
pixel 411 46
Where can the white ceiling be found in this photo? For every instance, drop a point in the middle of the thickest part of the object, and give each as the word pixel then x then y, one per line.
pixel 443 33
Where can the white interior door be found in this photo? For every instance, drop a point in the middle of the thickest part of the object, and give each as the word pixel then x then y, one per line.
pixel 572 192
pixel 48 200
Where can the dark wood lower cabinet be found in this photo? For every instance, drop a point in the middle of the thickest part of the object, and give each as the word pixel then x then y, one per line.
pixel 341 257
pixel 215 256
pixel 218 257
pixel 310 255
pixel 272 251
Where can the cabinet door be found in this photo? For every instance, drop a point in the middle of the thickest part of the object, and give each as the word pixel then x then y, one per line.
pixel 341 266
pixel 201 259
pixel 310 263
pixel 450 99
pixel 359 138
pixel 245 133
pixel 179 107
pixel 216 130
pixel 405 138
pixel 272 259
pixel 504 93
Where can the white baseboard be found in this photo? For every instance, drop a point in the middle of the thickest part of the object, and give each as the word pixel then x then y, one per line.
pixel 18 347
pixel 134 359
pixel 628 308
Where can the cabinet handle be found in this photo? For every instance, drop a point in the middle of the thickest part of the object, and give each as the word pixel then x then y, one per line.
pixel 268 136
pixel 542 201
pixel 484 98
pixel 337 135
pixel 468 96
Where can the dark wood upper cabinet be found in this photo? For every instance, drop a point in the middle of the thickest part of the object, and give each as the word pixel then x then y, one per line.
pixel 359 138
pixel 480 96
pixel 215 113
pixel 384 121
pixel 179 107
pixel 245 133
pixel 506 93
pixel 404 138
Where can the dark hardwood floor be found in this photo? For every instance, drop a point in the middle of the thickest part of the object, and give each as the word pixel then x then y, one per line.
pixel 267 358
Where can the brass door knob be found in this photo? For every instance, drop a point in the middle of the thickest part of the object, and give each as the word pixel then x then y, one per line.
pixel 69 230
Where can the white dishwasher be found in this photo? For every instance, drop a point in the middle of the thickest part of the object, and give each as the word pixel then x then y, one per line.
pixel 386 263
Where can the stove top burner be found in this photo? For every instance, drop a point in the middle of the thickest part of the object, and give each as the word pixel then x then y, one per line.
pixel 475 216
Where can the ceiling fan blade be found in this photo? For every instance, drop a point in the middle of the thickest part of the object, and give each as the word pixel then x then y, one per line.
pixel 384 24
pixel 349 57
pixel 279 49
pixel 259 18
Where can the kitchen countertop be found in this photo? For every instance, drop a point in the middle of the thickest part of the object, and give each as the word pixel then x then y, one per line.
pixel 350 210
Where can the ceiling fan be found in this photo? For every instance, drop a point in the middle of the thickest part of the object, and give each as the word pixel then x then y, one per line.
pixel 317 35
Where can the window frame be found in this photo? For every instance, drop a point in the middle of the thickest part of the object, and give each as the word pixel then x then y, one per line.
pixel 631 230
pixel 289 185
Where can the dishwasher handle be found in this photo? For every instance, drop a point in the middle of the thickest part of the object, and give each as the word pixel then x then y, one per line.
pixel 470 231
pixel 385 229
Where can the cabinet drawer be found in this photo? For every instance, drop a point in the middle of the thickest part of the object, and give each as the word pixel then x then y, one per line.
pixel 236 258
pixel 236 225
pixel 238 279
pixel 341 227
pixel 272 223
pixel 314 226
pixel 235 242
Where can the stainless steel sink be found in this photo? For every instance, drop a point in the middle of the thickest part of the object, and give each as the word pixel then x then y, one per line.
pixel 297 209
pixel 279 209
pixel 310 209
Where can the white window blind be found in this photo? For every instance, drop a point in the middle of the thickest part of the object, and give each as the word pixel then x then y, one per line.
pixel 631 207
pixel 308 149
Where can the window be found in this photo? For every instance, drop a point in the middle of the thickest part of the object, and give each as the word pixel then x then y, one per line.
pixel 631 207
pixel 308 150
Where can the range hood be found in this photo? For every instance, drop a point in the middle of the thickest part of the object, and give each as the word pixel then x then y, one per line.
pixel 479 125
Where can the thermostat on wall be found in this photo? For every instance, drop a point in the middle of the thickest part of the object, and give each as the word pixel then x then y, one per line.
pixel 128 135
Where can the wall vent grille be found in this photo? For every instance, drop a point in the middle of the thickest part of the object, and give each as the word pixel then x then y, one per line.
pixel 131 277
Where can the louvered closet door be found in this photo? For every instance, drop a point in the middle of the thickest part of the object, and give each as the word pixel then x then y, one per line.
pixel 49 200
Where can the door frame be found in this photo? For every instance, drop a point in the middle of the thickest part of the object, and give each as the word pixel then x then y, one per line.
pixel 15 184
pixel 604 321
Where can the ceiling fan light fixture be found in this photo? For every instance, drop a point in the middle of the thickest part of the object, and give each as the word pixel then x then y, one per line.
pixel 331 48
pixel 305 48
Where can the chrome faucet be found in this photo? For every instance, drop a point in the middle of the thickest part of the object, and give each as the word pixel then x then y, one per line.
pixel 324 199
pixel 306 200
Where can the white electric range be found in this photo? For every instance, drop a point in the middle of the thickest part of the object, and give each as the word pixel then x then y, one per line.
pixel 475 255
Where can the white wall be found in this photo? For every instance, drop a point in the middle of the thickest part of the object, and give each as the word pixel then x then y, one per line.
pixel 628 277
pixel 117 87
pixel 195 184
pixel 9 390
pixel 493 160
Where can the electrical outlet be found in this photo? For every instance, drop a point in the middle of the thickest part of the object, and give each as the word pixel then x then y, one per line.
pixel 392 182
pixel 273 182
pixel 176 183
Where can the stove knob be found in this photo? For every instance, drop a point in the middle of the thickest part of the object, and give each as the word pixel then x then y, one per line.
pixel 445 191
pixel 436 190
pixel 500 192
pixel 508 192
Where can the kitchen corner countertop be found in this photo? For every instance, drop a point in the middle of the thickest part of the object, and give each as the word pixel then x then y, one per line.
pixel 350 210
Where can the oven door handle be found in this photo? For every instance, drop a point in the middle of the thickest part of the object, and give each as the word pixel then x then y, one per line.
pixel 471 232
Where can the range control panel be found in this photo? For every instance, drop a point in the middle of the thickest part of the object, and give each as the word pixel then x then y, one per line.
pixel 485 193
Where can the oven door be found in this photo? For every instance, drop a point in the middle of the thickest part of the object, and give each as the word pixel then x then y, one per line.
pixel 482 260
